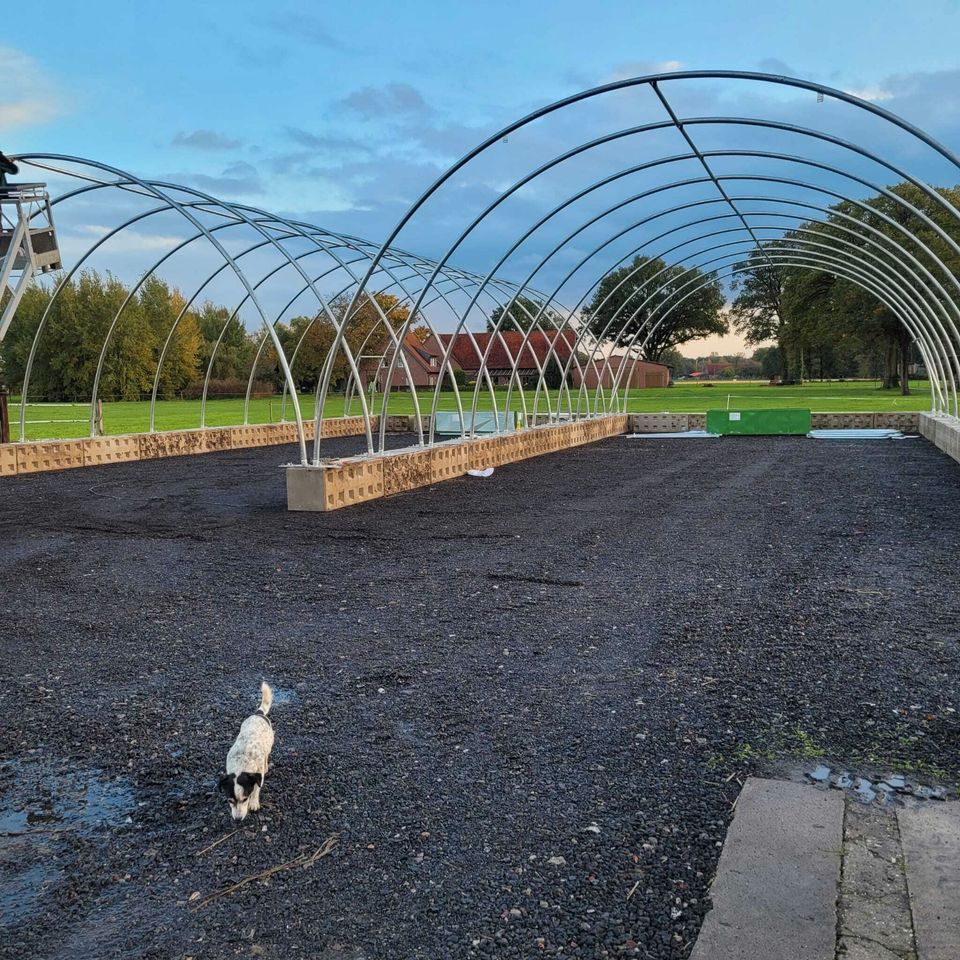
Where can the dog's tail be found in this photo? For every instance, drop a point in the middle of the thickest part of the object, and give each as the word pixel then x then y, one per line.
pixel 266 698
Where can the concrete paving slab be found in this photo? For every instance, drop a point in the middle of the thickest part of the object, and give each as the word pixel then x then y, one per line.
pixel 930 835
pixel 775 893
pixel 874 915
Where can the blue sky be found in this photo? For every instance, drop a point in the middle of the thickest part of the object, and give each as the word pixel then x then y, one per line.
pixel 342 113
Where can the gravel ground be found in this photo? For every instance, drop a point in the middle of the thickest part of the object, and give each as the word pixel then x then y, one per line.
pixel 522 705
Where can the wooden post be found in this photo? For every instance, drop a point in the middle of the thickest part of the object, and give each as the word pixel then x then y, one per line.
pixel 4 416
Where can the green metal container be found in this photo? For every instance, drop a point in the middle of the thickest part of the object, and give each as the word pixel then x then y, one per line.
pixel 759 423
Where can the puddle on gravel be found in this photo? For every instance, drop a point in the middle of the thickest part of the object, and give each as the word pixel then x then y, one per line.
pixel 21 891
pixel 283 696
pixel 42 806
pixel 38 800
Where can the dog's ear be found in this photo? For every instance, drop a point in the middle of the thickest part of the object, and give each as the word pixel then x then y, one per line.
pixel 247 781
pixel 226 785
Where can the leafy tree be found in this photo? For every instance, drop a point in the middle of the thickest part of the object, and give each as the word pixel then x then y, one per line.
pixel 422 332
pixel 769 358
pixel 553 374
pixel 234 355
pixel 521 315
pixel 757 312
pixel 679 364
pixel 667 306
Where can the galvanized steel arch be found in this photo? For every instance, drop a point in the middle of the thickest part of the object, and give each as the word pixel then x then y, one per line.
pixel 946 337
pixel 891 256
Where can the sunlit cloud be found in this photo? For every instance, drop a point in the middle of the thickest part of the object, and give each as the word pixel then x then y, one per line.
pixel 30 98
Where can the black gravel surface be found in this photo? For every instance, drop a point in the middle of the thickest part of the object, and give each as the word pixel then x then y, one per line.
pixel 523 706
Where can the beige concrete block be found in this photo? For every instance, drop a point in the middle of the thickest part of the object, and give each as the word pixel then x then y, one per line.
pixel 49 455
pixel 449 460
pixel 406 471
pixel 169 443
pixel 100 450
pixel 8 460
pixel 218 439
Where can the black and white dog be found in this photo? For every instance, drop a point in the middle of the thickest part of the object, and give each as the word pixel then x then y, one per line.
pixel 247 759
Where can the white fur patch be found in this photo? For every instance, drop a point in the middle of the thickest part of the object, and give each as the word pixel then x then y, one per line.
pixel 249 756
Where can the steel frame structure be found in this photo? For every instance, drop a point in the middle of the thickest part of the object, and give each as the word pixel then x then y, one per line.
pixel 901 258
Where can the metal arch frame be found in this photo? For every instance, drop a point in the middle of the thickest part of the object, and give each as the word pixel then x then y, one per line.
pixel 879 283
pixel 685 226
pixel 836 267
pixel 806 204
pixel 814 187
pixel 891 295
pixel 144 188
pixel 205 203
pixel 651 80
pixel 927 301
pixel 687 182
pixel 775 244
pixel 155 191
pixel 707 279
pixel 866 208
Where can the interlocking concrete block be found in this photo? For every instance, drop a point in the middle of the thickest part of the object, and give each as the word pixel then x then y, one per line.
pixel 449 460
pixel 218 439
pixel 399 424
pixel 8 460
pixel 659 422
pixel 49 455
pixel 406 471
pixel 696 421
pixel 485 452
pixel 842 421
pixel 943 431
pixel 168 443
pixel 909 422
pixel 248 436
pixel 342 484
pixel 100 450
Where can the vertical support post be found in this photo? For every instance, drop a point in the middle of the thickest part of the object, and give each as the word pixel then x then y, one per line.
pixel 4 415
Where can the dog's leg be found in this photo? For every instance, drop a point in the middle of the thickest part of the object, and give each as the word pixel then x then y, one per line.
pixel 255 798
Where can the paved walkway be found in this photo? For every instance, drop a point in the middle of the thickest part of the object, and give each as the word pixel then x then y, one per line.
pixel 814 874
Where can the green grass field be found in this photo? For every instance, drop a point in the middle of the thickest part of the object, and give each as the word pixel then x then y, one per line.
pixel 61 421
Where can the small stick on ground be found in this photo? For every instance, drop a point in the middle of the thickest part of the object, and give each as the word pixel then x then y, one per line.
pixel 633 890
pixel 303 860
pixel 216 843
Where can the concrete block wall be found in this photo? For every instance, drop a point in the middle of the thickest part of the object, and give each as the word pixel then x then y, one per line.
pixel 46 455
pixel 344 482
pixel 942 431
pixel 908 422
pixel 661 422
pixel 681 422
pixel 842 421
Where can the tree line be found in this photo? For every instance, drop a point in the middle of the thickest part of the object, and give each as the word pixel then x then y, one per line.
pixel 826 326
pixel 87 305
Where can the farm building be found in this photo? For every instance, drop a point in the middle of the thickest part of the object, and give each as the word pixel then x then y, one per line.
pixel 424 360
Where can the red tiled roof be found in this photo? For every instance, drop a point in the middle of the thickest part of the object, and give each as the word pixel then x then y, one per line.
pixel 537 348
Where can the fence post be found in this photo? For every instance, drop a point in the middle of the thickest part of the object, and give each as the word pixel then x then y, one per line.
pixel 4 415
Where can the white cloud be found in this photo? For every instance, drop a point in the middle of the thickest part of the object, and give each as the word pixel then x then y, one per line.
pixel 131 240
pixel 873 93
pixel 643 68
pixel 28 96
pixel 205 140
